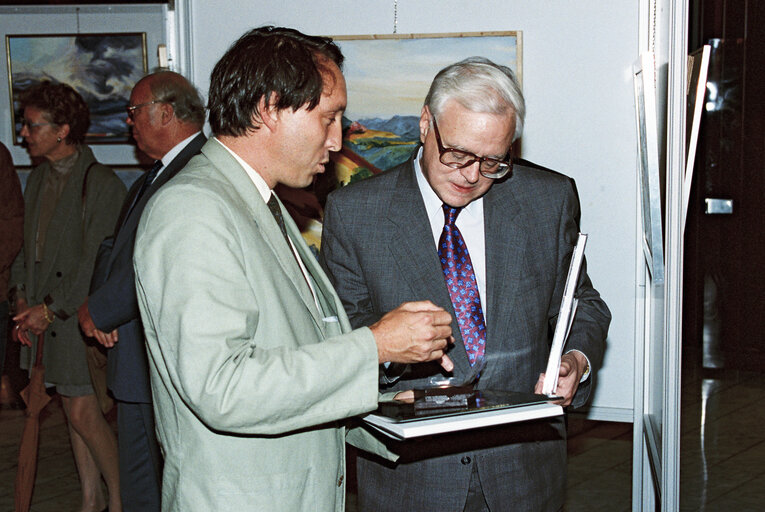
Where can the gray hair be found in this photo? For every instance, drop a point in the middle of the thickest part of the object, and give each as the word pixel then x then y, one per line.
pixel 479 85
pixel 173 88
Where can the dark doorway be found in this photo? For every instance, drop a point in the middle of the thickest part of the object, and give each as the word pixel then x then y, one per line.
pixel 724 285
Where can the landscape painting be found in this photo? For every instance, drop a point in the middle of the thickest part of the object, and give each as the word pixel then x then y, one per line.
pixel 388 78
pixel 103 68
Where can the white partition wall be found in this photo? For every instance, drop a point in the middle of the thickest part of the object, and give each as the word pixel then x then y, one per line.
pixel 656 450
pixel 577 61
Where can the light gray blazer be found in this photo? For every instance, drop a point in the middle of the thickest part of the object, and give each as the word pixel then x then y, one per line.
pixel 248 376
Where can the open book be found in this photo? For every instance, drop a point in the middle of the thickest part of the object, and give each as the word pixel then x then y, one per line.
pixel 441 410
pixel 450 409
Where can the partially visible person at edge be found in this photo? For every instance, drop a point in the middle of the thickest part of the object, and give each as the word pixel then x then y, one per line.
pixel 166 115
pixel 71 204
pixel 11 235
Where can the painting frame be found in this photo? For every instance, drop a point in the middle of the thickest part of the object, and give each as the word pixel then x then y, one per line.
pixel 389 75
pixel 644 79
pixel 698 68
pixel 103 67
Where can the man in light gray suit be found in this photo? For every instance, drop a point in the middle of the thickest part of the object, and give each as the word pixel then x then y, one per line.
pixel 500 267
pixel 251 355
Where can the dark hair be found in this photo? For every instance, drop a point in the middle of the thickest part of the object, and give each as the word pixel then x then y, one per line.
pixel 60 104
pixel 170 87
pixel 275 63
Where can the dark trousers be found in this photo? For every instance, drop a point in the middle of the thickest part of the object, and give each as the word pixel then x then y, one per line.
pixel 140 459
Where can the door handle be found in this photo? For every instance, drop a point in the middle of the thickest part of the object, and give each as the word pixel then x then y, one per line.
pixel 716 206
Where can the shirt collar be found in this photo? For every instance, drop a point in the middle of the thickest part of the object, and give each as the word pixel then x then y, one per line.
pixel 170 155
pixel 256 178
pixel 433 204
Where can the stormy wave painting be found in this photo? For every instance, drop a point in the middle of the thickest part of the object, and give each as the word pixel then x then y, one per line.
pixel 103 68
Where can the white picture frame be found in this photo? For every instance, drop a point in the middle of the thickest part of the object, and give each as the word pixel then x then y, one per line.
pixel 644 74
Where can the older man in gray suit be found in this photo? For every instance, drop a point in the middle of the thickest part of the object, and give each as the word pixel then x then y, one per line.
pixel 252 358
pixel 460 225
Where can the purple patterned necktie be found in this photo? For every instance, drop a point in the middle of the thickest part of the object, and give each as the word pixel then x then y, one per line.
pixel 463 289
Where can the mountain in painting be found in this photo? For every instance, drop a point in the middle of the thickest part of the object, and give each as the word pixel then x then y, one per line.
pixel 384 143
pixel 406 127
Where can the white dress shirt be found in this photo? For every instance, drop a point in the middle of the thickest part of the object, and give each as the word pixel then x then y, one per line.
pixel 170 155
pixel 265 193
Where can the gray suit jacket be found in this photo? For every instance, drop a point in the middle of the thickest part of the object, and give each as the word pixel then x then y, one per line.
pixel 113 304
pixel 248 376
pixel 378 249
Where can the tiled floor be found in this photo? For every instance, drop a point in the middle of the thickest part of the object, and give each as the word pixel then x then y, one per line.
pixel 722 460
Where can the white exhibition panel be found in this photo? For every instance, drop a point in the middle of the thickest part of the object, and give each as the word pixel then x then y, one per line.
pixel 577 60
pixel 577 77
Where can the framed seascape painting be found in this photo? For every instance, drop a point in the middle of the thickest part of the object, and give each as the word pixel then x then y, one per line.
pixel 388 77
pixel 103 68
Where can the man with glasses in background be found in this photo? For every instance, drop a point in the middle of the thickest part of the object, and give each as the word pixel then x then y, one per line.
pixel 460 225
pixel 166 114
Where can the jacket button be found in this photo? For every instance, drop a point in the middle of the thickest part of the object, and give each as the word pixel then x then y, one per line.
pixel 340 481
pixel 53 334
pixel 58 274
pixel 466 460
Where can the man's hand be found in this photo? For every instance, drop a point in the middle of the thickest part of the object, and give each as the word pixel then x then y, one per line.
pixel 107 339
pixel 414 332
pixel 572 367
pixel 85 320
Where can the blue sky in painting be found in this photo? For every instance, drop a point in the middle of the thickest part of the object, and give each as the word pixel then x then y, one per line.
pixel 386 77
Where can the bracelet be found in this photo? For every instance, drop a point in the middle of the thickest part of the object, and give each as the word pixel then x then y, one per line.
pixel 47 311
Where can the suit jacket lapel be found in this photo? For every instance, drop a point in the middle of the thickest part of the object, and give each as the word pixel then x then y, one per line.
pixel 506 240
pixel 252 201
pixel 31 220
pixel 416 255
pixel 331 313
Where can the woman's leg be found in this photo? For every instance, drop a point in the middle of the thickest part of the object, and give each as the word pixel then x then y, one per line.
pixel 95 451
pixel 90 477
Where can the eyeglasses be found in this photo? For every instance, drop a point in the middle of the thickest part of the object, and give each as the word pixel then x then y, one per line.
pixel 457 159
pixel 29 125
pixel 131 110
